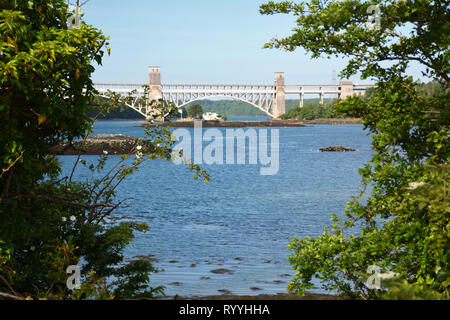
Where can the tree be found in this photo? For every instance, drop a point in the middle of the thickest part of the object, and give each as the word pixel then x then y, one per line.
pixel 49 222
pixel 313 111
pixel 403 226
pixel 195 111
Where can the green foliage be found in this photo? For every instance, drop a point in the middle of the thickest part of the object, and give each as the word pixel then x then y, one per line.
pixel 313 111
pixel 430 88
pixel 403 226
pixel 121 112
pixel 399 289
pixel 195 111
pixel 44 68
pixel 49 222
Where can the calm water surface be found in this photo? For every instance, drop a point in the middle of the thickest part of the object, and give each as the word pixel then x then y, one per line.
pixel 240 220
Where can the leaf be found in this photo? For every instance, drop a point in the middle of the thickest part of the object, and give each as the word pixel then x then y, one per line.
pixel 41 119
pixel 77 74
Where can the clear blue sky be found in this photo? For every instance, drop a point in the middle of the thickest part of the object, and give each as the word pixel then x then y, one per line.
pixel 200 41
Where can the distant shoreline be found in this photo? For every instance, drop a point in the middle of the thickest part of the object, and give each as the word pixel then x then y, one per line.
pixel 265 123
pixel 246 123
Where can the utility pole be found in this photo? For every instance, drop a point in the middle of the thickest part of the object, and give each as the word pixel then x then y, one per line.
pixel 76 16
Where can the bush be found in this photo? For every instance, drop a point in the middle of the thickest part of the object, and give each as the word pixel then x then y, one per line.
pixel 403 225
pixel 48 222
pixel 313 112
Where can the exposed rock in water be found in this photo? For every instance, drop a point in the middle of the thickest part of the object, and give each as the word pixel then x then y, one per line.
pixel 224 291
pixel 255 288
pixel 337 149
pixel 222 271
pixel 99 144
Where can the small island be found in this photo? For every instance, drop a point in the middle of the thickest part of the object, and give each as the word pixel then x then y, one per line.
pixel 99 144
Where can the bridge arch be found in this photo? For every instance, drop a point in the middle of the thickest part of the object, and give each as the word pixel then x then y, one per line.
pixel 229 97
pixel 132 106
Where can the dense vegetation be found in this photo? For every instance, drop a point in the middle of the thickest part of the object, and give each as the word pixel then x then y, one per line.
pixel 195 111
pixel 314 111
pixel 121 112
pixel 402 230
pixel 49 222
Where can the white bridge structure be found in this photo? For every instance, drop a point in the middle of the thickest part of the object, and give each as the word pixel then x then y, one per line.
pixel 270 99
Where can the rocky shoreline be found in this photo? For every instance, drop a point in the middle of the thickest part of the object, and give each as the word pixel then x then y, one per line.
pixel 99 144
pixel 337 121
pixel 337 149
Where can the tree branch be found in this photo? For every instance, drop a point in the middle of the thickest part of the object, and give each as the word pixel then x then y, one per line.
pixel 10 296
pixel 12 164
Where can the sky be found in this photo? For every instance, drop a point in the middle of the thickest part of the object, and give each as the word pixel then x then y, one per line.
pixel 200 41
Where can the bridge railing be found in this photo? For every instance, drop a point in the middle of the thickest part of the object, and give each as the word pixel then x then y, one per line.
pixel 119 87
pixel 223 89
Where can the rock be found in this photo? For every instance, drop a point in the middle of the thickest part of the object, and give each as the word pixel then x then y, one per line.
pixel 222 271
pixel 337 149
pixel 224 291
pixel 149 257
pixel 278 281
pixel 99 144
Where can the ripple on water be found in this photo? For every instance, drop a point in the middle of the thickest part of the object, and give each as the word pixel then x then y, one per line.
pixel 239 213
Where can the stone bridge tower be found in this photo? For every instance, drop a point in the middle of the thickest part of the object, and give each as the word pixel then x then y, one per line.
pixel 154 82
pixel 279 106
pixel 346 88
pixel 155 91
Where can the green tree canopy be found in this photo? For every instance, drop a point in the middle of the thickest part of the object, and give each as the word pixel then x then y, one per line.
pixel 195 111
pixel 49 222
pixel 403 227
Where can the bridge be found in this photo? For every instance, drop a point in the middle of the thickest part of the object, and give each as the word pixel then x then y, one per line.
pixel 270 99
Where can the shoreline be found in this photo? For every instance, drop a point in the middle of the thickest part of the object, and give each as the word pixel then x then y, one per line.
pixel 263 296
pixel 113 144
pixel 246 123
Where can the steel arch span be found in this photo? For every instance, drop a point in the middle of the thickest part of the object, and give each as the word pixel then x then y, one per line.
pixel 259 96
pixel 269 103
pixel 141 109
pixel 135 93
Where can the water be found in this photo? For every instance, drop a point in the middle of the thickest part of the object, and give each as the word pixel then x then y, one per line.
pixel 240 220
